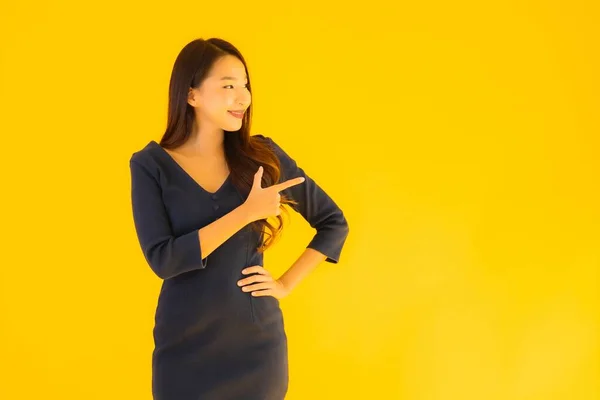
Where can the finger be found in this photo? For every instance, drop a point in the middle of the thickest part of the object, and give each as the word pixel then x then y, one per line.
pixel 259 286
pixel 266 292
pixel 254 278
pixel 289 183
pixel 256 269
pixel 258 177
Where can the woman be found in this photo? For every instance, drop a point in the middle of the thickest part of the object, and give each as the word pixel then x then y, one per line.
pixel 202 199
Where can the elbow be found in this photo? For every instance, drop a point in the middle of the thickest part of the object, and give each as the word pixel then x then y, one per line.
pixel 337 227
pixel 170 258
pixel 160 271
pixel 330 239
pixel 162 267
pixel 342 227
pixel 166 267
pixel 160 260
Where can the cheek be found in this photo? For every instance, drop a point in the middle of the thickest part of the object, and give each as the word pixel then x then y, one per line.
pixel 218 104
pixel 228 102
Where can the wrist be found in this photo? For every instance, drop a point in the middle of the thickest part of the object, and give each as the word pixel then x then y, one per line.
pixel 245 214
pixel 284 285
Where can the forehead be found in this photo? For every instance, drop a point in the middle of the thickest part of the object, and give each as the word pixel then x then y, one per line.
pixel 228 68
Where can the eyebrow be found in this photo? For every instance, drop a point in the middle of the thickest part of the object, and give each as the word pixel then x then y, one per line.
pixel 230 78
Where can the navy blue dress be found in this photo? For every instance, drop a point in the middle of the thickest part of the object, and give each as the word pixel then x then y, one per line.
pixel 212 340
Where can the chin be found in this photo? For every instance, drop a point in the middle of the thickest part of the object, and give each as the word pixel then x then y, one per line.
pixel 232 127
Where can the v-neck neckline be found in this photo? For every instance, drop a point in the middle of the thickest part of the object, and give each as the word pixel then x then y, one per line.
pixel 185 173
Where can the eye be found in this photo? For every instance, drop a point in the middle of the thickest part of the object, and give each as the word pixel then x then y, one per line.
pixel 225 87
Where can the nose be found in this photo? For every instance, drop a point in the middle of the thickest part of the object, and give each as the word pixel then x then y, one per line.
pixel 244 102
pixel 244 99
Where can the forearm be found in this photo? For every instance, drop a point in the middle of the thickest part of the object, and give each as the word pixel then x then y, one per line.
pixel 307 261
pixel 216 233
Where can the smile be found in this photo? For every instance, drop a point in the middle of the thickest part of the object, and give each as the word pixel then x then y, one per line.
pixel 237 114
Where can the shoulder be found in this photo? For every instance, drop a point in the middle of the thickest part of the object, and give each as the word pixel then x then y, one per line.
pixel 273 145
pixel 260 138
pixel 145 154
pixel 289 167
pixel 149 158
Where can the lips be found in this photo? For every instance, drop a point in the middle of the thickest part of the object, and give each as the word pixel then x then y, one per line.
pixel 237 114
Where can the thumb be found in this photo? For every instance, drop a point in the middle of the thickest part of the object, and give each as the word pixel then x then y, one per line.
pixel 258 177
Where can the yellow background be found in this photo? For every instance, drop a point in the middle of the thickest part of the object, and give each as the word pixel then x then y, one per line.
pixel 460 139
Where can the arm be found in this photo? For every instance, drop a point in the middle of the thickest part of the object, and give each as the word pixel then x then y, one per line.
pixel 166 254
pixel 307 261
pixel 317 208
pixel 263 284
pixel 322 214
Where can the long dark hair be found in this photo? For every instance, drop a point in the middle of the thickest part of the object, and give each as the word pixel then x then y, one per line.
pixel 243 153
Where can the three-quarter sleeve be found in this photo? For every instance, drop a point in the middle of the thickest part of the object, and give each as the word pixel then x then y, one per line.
pixel 166 254
pixel 316 206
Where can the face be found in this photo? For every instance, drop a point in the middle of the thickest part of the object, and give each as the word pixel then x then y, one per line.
pixel 223 97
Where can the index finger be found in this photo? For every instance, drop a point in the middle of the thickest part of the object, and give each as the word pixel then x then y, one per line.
pixel 289 183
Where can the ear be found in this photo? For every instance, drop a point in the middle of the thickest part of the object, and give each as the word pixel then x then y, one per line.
pixel 192 101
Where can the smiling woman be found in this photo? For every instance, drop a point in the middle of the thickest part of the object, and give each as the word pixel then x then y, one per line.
pixel 225 88
pixel 201 201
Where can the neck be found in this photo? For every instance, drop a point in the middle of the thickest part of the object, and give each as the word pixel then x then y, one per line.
pixel 206 141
